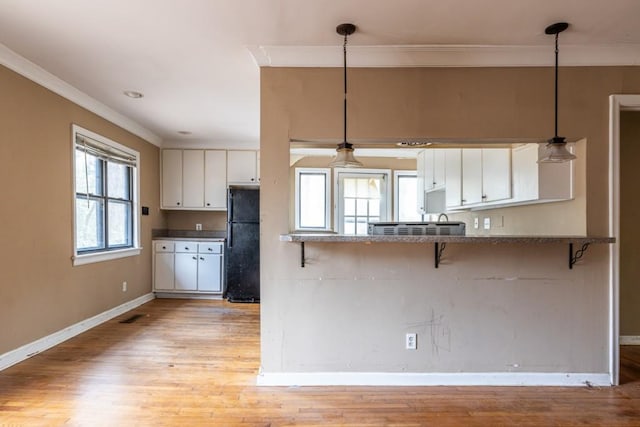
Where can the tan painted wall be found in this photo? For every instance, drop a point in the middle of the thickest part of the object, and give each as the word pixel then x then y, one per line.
pixel 488 307
pixel 629 229
pixel 41 292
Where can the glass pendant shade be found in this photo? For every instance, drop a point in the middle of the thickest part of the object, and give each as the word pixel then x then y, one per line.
pixel 556 152
pixel 344 157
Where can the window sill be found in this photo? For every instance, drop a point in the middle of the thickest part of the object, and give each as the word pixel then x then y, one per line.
pixel 104 256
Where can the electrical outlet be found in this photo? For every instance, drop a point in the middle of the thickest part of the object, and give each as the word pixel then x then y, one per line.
pixel 124 286
pixel 487 223
pixel 411 341
pixel 198 227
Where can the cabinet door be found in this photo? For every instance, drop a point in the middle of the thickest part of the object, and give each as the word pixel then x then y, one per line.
pixel 439 178
pixel 258 165
pixel 172 178
pixel 210 273
pixel 186 271
pixel 453 177
pixel 525 172
pixel 241 167
pixel 429 156
pixel 163 271
pixel 471 176
pixel 215 179
pixel 193 178
pixel 496 174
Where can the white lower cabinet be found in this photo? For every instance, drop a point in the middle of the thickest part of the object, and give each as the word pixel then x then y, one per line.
pixel 188 267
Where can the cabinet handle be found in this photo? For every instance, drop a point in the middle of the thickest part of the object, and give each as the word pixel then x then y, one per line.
pixel 463 201
pixel 484 196
pixel 253 179
pixel 186 248
pixel 202 258
pixel 164 247
pixel 178 203
pixel 194 258
pixel 208 204
pixel 210 250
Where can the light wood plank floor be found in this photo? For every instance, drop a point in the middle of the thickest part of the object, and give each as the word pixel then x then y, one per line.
pixel 192 363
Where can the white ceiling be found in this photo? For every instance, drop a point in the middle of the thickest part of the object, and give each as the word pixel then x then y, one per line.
pixel 196 61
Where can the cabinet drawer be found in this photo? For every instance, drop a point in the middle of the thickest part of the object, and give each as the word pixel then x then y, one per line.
pixel 164 246
pixel 210 248
pixel 189 247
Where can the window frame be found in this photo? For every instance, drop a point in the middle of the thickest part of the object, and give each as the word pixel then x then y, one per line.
pixel 328 192
pixel 352 172
pixel 98 255
pixel 397 174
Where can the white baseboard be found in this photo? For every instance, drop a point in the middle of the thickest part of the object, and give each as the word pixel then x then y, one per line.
pixel 26 351
pixel 433 379
pixel 629 340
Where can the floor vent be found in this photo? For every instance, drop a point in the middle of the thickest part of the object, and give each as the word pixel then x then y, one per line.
pixel 132 318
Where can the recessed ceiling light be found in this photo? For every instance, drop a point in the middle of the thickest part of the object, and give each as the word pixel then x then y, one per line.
pixel 413 144
pixel 184 132
pixel 133 94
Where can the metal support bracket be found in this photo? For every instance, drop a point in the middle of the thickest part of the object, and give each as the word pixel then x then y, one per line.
pixel 302 254
pixel 439 249
pixel 573 258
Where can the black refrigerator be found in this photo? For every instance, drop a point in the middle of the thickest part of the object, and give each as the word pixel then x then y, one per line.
pixel 243 245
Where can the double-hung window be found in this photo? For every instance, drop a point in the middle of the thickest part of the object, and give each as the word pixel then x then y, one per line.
pixel 405 196
pixel 106 195
pixel 313 199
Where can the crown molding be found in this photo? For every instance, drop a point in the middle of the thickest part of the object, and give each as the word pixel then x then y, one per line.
pixel 39 75
pixel 446 56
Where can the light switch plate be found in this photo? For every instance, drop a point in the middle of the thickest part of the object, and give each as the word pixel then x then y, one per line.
pixel 476 223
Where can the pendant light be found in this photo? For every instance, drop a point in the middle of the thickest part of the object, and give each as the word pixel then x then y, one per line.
pixel 557 146
pixel 344 157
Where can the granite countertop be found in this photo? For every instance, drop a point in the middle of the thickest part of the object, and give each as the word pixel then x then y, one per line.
pixel 329 237
pixel 192 239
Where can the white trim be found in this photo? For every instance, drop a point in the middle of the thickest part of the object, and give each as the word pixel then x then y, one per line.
pixel 629 339
pixel 563 379
pixel 616 104
pixel 445 55
pixel 26 351
pixel 39 75
pixel 108 254
pixel 104 256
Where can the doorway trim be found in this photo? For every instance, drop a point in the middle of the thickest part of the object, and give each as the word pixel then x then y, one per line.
pixel 617 103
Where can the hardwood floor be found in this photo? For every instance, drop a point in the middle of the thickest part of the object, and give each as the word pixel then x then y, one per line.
pixel 194 362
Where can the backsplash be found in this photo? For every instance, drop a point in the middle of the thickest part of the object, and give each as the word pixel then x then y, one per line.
pixel 187 220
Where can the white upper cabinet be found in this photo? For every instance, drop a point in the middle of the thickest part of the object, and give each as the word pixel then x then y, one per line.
pixel 453 175
pixel 535 182
pixel 242 167
pixel 194 179
pixel 430 167
pixel 215 179
pixel 171 178
pixel 471 176
pixel 496 174
pixel 476 177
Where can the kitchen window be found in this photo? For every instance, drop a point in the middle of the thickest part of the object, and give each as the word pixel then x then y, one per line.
pixel 405 196
pixel 106 194
pixel 363 197
pixel 313 199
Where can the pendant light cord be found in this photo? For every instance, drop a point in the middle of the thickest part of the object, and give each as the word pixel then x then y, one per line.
pixel 344 49
pixel 556 89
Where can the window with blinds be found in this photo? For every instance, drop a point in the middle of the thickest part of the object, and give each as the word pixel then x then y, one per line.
pixel 105 176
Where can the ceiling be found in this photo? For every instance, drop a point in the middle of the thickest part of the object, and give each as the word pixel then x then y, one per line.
pixel 197 61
